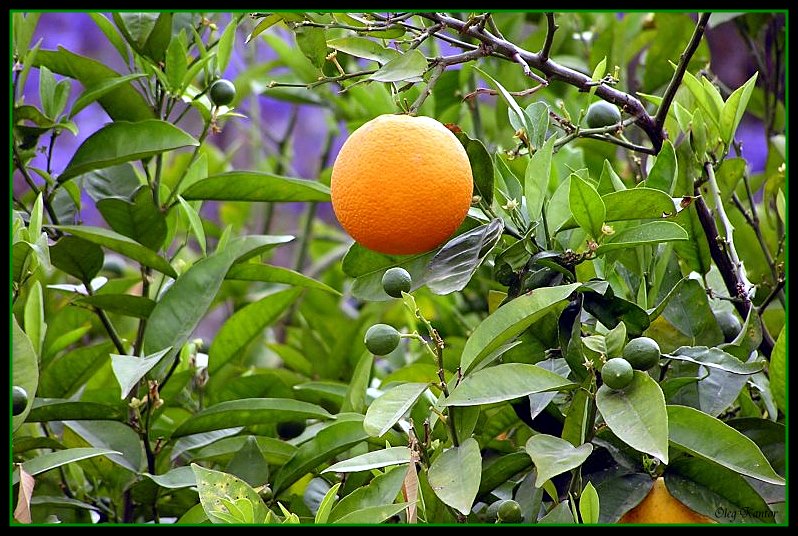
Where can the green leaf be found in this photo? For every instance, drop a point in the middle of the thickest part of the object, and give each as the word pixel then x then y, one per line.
pixel 77 257
pixel 589 504
pixel 23 26
pixel 514 109
pixel 368 268
pixel 637 415
pixel 176 63
pixel 454 475
pixel 372 514
pixel 559 515
pixel 708 438
pixel 323 513
pixel 195 222
pixel 122 104
pixel 112 35
pixel 455 263
pixel 709 490
pixel 249 464
pixel 121 304
pixel 137 218
pixel 645 233
pixel 125 141
pixel 264 24
pixel 226 44
pixel 500 470
pixel 216 487
pixel 409 66
pixel 382 490
pixel 35 326
pixel 481 166
pixel 372 460
pixel 734 108
pixel 63 375
pixel 255 186
pixel 715 358
pixel 355 400
pixel 24 367
pixel 99 90
pixel 537 117
pixel 387 409
pixel 620 494
pixel 327 443
pixel 121 244
pixel 689 312
pixel 553 456
pixel 247 411
pixel 129 369
pixel 536 180
pixel 509 321
pixel 51 460
pixel 778 371
pixel 361 47
pixel 587 206
pixel 246 324
pixel 312 42
pixel 274 451
pixel 179 477
pixel 505 382
pixel 275 274
pixel 183 305
pixel 662 175
pixel 116 181
pixel 115 436
pixel 58 409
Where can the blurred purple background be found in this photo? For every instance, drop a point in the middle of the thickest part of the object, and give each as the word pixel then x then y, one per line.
pixel 78 33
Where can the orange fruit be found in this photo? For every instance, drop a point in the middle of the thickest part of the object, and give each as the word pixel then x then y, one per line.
pixel 660 506
pixel 401 184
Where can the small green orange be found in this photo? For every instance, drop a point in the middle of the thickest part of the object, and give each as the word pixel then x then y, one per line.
pixel 510 512
pixel 222 92
pixel 617 373
pixel 381 339
pixel 602 114
pixel 395 281
pixel 642 353
pixel 19 400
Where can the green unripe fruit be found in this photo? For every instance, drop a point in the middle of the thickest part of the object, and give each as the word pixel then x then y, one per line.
pixel 729 324
pixel 290 429
pixel 510 512
pixel 266 493
pixel 395 281
pixel 602 114
pixel 381 339
pixel 642 353
pixel 19 400
pixel 222 92
pixel 617 373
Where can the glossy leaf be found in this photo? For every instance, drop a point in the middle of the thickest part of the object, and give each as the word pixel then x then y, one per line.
pixel 249 464
pixel 498 471
pixel 35 326
pixel 621 493
pixel 509 321
pixel 372 460
pixel 122 245
pixel 129 370
pixel 328 442
pixel 386 410
pixel 363 48
pixel 662 175
pixel 646 233
pixel 121 304
pixel 778 371
pixel 372 514
pixel 115 181
pixel 505 382
pixel 708 438
pixel 382 490
pixel 637 415
pixel 194 222
pixel 275 274
pixel 138 218
pixel 589 504
pixel 77 257
pixel 179 477
pixel 255 186
pixel 247 411
pixel 516 112
pixel 183 305
pixel 125 141
pixel 313 44
pixel 246 324
pixel 715 358
pixel 355 399
pixel 559 515
pixel 115 436
pixel 587 206
pixel 59 409
pixel 51 460
pixel 688 310
pixel 323 513
pixel 481 166
pixel 734 108
pixel 407 67
pixel 122 104
pixel 553 456
pixel 454 475
pixel 536 178
pixel 452 267
pixel 24 367
pixel 99 90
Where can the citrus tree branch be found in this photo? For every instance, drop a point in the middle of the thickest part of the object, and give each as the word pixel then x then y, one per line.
pixel 551 28
pixel 553 71
pixel 673 85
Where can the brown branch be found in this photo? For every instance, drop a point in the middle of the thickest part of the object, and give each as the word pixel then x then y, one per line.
pixel 684 59
pixel 551 28
pixel 554 71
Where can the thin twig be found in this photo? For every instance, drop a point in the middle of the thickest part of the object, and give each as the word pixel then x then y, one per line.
pixel 676 81
pixel 773 294
pixel 551 28
pixel 489 91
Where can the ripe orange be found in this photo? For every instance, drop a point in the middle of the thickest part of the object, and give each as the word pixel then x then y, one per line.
pixel 401 184
pixel 660 506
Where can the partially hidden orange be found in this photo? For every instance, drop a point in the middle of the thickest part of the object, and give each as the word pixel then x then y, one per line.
pixel 401 184
pixel 660 506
